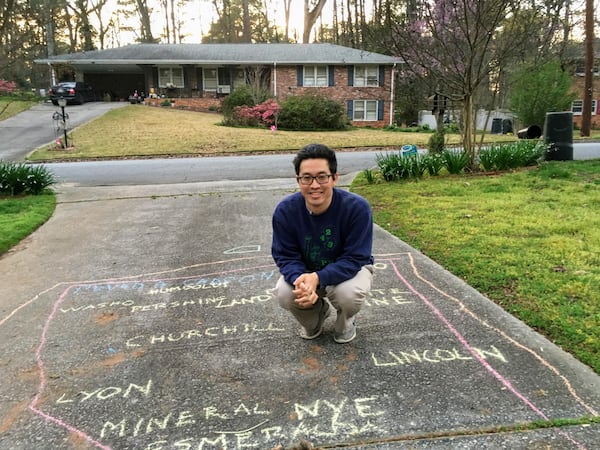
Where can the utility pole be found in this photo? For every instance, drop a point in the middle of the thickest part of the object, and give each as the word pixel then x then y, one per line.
pixel 588 91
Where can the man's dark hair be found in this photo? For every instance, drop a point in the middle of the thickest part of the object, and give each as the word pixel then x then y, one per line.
pixel 316 151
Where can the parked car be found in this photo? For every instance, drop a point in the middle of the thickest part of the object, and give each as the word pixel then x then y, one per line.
pixel 74 92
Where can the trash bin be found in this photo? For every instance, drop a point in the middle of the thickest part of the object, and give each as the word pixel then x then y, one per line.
pixel 531 132
pixel 507 126
pixel 558 136
pixel 497 126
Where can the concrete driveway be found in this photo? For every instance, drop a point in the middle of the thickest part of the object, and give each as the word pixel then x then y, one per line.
pixel 36 127
pixel 140 317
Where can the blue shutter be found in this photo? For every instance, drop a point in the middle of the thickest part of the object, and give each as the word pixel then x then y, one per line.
pixel 350 75
pixel 350 108
pixel 380 105
pixel 300 75
pixel 331 75
pixel 381 75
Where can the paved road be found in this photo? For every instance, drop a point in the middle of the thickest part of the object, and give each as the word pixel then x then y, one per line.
pixel 191 170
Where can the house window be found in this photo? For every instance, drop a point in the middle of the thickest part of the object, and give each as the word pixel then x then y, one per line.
pixel 170 77
pixel 364 110
pixel 210 79
pixel 577 107
pixel 366 76
pixel 315 76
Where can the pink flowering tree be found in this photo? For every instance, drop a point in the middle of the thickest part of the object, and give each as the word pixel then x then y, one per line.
pixel 462 47
pixel 264 114
pixel 7 87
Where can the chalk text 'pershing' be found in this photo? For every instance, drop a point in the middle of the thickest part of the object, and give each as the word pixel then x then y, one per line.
pixel 136 307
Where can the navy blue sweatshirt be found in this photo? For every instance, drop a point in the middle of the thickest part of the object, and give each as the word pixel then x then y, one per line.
pixel 335 244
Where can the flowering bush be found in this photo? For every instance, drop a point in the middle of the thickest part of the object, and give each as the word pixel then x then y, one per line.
pixel 263 114
pixel 7 87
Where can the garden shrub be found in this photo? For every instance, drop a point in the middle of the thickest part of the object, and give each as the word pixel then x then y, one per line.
pixel 511 156
pixel 240 96
pixel 263 114
pixel 22 178
pixel 434 163
pixel 311 112
pixel 389 165
pixel 396 166
pixel 436 142
pixel 7 87
pixel 455 161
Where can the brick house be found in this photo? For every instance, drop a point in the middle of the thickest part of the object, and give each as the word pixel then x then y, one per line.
pixel 198 76
pixel 577 105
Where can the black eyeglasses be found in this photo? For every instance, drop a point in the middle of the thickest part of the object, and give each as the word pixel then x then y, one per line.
pixel 307 180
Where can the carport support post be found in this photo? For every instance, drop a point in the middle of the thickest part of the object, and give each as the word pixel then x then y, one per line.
pixel 62 103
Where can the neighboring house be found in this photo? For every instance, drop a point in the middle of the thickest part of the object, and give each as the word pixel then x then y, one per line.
pixel 197 75
pixel 579 87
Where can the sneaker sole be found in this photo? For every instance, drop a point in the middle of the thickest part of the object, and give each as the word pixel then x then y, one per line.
pixel 341 340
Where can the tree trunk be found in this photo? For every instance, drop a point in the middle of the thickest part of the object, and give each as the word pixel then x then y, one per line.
pixel 145 23
pixel 310 18
pixel 588 91
pixel 286 10
pixel 469 130
pixel 247 30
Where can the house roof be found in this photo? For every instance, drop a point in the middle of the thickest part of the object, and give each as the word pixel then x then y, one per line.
pixel 218 55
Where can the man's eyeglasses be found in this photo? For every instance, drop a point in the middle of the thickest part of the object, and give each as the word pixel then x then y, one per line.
pixel 307 180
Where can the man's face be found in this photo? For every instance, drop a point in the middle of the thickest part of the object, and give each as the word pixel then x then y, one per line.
pixel 317 196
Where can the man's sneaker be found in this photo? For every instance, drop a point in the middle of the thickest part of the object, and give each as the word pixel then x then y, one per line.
pixel 347 336
pixel 305 334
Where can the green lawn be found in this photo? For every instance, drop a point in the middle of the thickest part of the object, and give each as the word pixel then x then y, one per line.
pixel 139 130
pixel 21 215
pixel 9 107
pixel 529 240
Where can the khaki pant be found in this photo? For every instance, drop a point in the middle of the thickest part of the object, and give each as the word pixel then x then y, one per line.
pixel 347 298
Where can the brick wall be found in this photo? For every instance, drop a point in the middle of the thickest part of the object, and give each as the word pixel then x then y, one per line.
pixel 287 85
pixel 192 104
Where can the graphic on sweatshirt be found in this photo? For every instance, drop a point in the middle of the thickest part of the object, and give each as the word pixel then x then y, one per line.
pixel 319 251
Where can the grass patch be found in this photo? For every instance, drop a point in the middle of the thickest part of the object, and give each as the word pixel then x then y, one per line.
pixel 20 216
pixel 10 107
pixel 529 240
pixel 136 130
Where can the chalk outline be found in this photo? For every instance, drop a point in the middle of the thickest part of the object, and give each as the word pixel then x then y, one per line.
pixel 465 343
pixel 384 257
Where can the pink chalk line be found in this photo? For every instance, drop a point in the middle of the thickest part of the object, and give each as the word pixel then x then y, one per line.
pixel 42 386
pixel 476 356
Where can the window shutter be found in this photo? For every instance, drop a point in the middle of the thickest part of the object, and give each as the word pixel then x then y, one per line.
pixel 380 105
pixel 350 109
pixel 350 75
pixel 381 75
pixel 300 75
pixel 331 75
